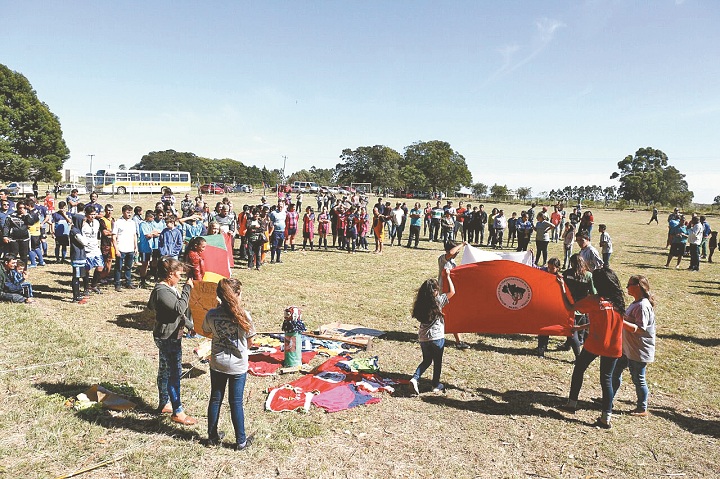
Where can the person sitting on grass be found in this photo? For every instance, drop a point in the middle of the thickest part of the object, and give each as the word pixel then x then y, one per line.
pixel 10 291
pixel 18 277
pixel 429 303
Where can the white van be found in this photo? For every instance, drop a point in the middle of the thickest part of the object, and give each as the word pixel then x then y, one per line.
pixel 305 187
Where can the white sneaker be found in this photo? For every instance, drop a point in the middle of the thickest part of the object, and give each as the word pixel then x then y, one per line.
pixel 439 388
pixel 414 383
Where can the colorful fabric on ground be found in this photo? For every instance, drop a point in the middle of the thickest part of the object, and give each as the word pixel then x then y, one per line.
pixel 218 254
pixel 504 297
pixel 267 364
pixel 326 377
pixel 363 365
pixel 344 397
pixel 288 398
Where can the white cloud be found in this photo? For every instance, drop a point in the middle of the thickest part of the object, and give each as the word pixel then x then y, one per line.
pixel 516 55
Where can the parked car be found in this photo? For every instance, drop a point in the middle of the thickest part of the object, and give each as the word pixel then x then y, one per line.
pixel 243 189
pixel 226 188
pixel 17 189
pixel 66 188
pixel 212 188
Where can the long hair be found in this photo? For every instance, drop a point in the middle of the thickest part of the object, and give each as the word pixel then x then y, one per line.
pixel 644 284
pixel 426 305
pixel 228 290
pixel 578 266
pixel 608 286
pixel 193 243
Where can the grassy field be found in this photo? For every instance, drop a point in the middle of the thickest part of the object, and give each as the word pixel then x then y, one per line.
pixel 497 419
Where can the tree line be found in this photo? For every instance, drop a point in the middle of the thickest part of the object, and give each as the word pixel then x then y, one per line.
pixel 32 148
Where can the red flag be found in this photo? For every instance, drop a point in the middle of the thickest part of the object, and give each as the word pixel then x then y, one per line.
pixel 505 297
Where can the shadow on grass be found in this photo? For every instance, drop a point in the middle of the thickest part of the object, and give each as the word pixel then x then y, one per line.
pixel 706 293
pixel 141 320
pixel 400 336
pixel 693 425
pixel 509 403
pixel 143 419
pixel 43 291
pixel 645 265
pixel 707 342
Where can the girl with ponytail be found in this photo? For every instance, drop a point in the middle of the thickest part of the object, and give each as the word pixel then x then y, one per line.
pixel 232 329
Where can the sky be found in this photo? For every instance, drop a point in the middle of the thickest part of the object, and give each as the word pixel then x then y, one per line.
pixel 540 94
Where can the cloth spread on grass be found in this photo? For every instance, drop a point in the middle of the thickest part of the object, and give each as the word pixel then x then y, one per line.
pixel 363 365
pixel 267 364
pixel 343 397
pixel 323 379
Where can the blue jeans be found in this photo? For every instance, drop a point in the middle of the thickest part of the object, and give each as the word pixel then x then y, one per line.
pixel 432 352
pixel 124 262
pixel 607 365
pixel 169 372
pixel 606 259
pixel 637 373
pixel 218 382
pixel 276 244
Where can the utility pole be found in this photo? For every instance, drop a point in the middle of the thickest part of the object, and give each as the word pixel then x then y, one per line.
pixel 92 176
pixel 283 170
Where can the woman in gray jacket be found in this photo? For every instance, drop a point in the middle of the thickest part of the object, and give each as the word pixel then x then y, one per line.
pixel 232 329
pixel 172 316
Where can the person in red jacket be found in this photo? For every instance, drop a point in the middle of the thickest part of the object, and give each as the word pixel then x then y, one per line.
pixel 605 312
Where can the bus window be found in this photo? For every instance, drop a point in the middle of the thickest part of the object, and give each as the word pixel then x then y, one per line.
pixel 121 176
pixel 155 176
pixel 144 176
pixel 164 177
pixel 134 176
pixel 184 177
pixel 174 177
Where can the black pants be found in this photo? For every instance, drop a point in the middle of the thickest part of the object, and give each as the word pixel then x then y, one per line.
pixel 414 233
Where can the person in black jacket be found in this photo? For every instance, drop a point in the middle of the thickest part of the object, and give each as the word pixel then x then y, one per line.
pixel 15 234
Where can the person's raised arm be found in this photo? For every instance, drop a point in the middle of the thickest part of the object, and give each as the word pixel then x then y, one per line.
pixel 451 285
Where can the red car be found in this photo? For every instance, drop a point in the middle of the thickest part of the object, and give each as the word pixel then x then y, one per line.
pixel 212 188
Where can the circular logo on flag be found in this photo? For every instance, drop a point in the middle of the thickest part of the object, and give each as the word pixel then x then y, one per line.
pixel 514 293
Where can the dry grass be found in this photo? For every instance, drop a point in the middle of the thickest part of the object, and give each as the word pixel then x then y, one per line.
pixel 496 420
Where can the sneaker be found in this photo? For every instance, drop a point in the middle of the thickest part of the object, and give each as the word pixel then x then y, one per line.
pixel 248 442
pixel 439 388
pixel 602 424
pixel 462 345
pixel 118 289
pixel 414 384
pixel 95 290
pixel 82 300
pixel 640 413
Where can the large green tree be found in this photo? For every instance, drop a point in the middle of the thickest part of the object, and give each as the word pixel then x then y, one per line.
pixel 378 165
pixel 444 168
pixel 31 141
pixel 646 177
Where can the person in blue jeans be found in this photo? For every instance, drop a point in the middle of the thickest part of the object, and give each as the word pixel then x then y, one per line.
pixel 429 303
pixel 638 341
pixel 232 331
pixel 277 217
pixel 172 316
